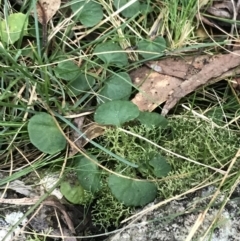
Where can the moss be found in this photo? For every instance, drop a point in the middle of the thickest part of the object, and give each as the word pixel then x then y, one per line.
pixel 107 211
pixel 191 138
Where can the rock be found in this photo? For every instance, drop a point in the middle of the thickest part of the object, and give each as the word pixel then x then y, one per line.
pixel 174 221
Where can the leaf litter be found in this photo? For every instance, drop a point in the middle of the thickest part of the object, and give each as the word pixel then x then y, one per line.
pixel 173 78
pixel 45 12
pixel 44 219
pixel 47 9
pixel 90 132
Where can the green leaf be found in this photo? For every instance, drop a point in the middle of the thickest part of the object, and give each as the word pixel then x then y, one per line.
pixel 160 165
pixel 88 173
pixel 151 119
pixel 116 112
pixel 129 11
pixel 157 46
pixel 67 70
pixel 90 12
pixel 117 87
pixel 45 135
pixel 73 193
pixel 105 52
pixel 82 83
pixel 132 192
pixel 145 8
pixel 15 26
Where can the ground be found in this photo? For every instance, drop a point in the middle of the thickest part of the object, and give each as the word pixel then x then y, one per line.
pixel 110 109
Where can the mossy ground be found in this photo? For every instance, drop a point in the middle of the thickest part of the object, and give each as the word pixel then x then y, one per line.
pixel 186 136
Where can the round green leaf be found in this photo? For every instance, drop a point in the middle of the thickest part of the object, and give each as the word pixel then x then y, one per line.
pixel 73 193
pixel 107 52
pixel 156 46
pixel 151 119
pixel 45 135
pixel 145 8
pixel 117 87
pixel 129 11
pixel 67 70
pixel 116 112
pixel 131 192
pixel 14 27
pixel 161 167
pixel 90 12
pixel 82 83
pixel 88 173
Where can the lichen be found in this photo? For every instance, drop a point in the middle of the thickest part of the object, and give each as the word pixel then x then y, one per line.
pixel 188 137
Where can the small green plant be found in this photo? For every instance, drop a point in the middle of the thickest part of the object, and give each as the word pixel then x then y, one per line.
pixel 45 135
pixel 13 27
pixel 134 189
pixel 152 48
pixel 117 87
pixel 111 54
pixel 116 113
pixel 88 173
pixel 72 192
pixel 128 191
pixel 131 192
pixel 89 13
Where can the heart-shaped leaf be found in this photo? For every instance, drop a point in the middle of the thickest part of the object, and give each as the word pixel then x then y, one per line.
pixel 73 193
pixel 45 135
pixel 82 83
pixel 88 173
pixel 89 13
pixel 108 53
pixel 67 70
pixel 15 26
pixel 160 165
pixel 156 46
pixel 116 112
pixel 129 11
pixel 151 119
pixel 131 192
pixel 117 87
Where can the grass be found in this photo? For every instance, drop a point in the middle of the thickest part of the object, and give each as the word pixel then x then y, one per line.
pixel 200 142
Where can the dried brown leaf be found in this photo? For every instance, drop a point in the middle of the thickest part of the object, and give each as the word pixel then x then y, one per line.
pixel 215 69
pixel 47 9
pixel 175 77
pixel 90 131
pixel 78 122
pixel 154 88
pixel 93 131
